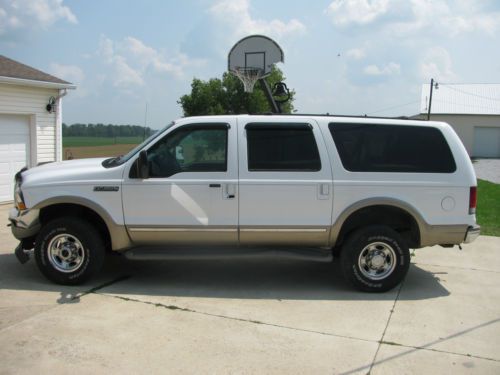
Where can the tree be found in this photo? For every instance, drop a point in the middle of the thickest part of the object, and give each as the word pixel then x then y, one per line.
pixel 226 96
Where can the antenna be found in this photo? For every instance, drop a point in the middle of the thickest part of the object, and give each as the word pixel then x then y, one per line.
pixel 145 121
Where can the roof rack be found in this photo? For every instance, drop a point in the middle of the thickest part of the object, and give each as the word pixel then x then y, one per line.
pixel 333 115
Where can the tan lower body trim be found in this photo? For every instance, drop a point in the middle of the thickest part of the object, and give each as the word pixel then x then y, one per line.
pixel 191 235
pixel 156 229
pixel 290 230
pixel 284 236
pixel 260 236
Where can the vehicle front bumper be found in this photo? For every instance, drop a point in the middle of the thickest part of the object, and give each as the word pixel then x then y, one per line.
pixel 472 233
pixel 25 223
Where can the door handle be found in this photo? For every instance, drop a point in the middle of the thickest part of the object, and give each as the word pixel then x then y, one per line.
pixel 229 191
pixel 323 191
pixel 214 185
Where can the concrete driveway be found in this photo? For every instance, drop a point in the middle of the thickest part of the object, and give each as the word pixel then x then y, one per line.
pixel 253 317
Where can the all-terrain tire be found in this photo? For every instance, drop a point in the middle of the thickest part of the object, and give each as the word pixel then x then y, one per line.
pixel 375 258
pixel 69 250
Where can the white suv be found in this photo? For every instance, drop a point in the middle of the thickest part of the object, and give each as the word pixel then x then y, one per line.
pixel 308 187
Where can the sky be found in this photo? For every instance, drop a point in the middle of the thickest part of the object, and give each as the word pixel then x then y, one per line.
pixel 346 57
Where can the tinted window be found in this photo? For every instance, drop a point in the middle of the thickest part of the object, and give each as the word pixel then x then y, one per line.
pixel 390 148
pixel 190 149
pixel 282 147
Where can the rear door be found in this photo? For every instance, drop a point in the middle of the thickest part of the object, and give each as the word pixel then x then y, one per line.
pixel 285 183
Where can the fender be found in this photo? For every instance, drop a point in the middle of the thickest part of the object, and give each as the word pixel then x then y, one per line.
pixel 379 201
pixel 119 236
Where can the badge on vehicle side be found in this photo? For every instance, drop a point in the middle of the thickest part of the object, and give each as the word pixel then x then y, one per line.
pixel 106 188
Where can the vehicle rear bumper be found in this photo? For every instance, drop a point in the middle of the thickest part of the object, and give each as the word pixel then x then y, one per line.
pixel 24 224
pixel 472 233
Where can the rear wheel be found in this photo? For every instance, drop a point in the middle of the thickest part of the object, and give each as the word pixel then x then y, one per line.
pixel 69 250
pixel 375 258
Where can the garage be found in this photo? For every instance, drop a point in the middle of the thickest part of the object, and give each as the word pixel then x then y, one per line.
pixel 487 142
pixel 14 151
pixel 30 120
pixel 473 111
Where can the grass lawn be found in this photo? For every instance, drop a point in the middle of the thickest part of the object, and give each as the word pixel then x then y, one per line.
pixel 99 141
pixel 488 207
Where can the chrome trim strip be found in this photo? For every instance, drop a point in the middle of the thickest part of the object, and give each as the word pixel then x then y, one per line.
pixel 295 230
pixel 182 230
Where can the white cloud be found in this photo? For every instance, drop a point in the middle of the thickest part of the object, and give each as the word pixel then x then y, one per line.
pixel 356 53
pixel 390 69
pixel 131 59
pixel 16 15
pixel 70 73
pixel 346 12
pixel 236 14
pixel 437 64
pixel 433 16
pixel 122 74
pixel 148 56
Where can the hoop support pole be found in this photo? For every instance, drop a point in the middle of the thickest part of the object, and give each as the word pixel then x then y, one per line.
pixel 275 107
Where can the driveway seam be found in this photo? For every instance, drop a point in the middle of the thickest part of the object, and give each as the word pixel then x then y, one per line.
pixel 386 326
pixel 178 308
pixel 439 351
pixel 380 342
pixel 72 299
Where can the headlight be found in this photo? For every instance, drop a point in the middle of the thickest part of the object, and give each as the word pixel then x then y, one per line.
pixel 18 196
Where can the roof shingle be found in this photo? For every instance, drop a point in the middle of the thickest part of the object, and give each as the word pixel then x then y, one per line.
pixel 14 69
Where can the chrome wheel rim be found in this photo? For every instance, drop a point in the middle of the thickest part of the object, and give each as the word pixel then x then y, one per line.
pixel 377 261
pixel 66 253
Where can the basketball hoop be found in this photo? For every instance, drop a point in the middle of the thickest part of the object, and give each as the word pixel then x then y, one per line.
pixel 249 76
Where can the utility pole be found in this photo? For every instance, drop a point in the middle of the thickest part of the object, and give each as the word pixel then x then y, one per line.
pixel 430 100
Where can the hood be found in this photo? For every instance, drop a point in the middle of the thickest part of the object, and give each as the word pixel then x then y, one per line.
pixel 81 170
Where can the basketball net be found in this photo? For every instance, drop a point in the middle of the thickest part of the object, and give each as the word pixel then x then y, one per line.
pixel 249 76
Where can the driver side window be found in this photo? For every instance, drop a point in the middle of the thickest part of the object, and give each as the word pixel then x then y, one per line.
pixel 190 149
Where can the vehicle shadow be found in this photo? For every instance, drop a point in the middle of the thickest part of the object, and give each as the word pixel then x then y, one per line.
pixel 235 279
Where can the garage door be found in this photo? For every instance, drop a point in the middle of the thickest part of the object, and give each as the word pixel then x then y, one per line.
pixel 14 151
pixel 487 142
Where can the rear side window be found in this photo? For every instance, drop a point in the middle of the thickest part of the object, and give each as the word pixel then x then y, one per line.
pixel 392 148
pixel 282 147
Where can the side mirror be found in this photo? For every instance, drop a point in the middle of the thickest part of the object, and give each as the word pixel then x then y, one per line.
pixel 143 165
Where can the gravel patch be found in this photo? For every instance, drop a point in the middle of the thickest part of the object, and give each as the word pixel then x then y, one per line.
pixel 488 169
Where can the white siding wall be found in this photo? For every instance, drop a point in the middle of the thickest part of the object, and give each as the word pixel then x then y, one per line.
pixel 32 101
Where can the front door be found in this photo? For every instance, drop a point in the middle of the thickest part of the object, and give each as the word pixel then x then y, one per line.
pixel 191 195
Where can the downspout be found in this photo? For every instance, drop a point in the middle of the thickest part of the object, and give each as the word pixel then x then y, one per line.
pixel 58 129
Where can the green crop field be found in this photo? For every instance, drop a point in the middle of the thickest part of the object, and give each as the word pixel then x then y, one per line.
pixel 99 141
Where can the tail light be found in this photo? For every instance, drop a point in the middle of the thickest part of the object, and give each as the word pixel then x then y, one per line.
pixel 472 200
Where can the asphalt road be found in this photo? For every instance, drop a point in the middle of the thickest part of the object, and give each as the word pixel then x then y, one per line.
pixel 253 317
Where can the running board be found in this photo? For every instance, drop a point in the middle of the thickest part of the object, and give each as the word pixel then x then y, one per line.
pixel 155 253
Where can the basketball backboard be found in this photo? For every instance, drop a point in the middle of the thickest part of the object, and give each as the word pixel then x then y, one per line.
pixel 255 52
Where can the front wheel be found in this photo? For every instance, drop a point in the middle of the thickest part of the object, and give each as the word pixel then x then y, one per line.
pixel 375 258
pixel 69 250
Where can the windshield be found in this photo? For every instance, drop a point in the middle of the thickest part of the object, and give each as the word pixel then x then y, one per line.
pixel 124 158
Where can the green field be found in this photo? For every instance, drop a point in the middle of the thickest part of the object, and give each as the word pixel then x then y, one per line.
pixel 99 141
pixel 488 208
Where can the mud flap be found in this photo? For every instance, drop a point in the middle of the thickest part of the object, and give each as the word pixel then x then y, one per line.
pixel 22 255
